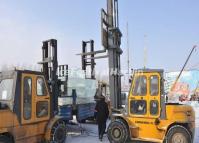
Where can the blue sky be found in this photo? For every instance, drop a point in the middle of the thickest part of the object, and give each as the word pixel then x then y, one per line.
pixel 171 27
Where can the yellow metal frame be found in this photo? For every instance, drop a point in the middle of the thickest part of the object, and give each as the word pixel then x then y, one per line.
pixel 147 97
pixel 35 99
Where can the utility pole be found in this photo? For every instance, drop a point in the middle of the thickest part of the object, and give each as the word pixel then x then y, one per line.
pixel 145 51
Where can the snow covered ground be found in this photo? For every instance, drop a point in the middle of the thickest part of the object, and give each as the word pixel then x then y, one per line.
pixel 87 133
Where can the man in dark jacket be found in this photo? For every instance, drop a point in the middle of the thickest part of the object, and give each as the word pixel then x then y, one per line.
pixel 102 115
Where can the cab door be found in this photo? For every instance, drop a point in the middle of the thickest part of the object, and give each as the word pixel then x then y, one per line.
pixel 138 96
pixel 144 105
pixel 25 128
pixel 35 99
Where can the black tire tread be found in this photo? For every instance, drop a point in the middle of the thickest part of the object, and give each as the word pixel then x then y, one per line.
pixel 178 128
pixel 125 128
pixel 62 123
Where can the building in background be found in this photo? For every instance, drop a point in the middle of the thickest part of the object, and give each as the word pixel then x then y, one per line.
pixel 185 89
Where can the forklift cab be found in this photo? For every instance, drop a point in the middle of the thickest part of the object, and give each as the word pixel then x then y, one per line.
pixel 29 102
pixel 143 102
pixel 25 105
pixel 146 103
pixel 35 99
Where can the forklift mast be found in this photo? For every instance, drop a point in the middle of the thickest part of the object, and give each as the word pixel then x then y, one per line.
pixel 88 61
pixel 63 82
pixel 50 66
pixel 113 36
pixel 111 41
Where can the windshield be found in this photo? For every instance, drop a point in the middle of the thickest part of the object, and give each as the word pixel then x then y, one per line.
pixel 6 86
pixel 140 86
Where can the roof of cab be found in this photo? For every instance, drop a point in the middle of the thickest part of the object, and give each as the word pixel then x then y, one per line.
pixel 20 71
pixel 29 72
pixel 150 70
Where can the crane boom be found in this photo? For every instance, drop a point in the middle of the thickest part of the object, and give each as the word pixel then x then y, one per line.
pixel 173 86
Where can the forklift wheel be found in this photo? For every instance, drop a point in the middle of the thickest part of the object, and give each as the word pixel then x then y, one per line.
pixel 58 132
pixel 178 134
pixel 5 139
pixel 118 132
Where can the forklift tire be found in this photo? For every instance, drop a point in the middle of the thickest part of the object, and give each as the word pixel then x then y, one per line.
pixel 118 132
pixel 178 134
pixel 58 132
pixel 5 139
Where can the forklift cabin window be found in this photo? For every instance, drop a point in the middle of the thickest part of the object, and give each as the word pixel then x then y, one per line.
pixel 140 86
pixel 41 106
pixel 41 90
pixel 154 107
pixel 138 107
pixel 154 91
pixel 6 86
pixel 42 109
pixel 154 85
pixel 27 102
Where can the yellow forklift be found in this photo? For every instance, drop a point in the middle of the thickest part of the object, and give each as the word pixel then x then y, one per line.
pixel 28 103
pixel 149 117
